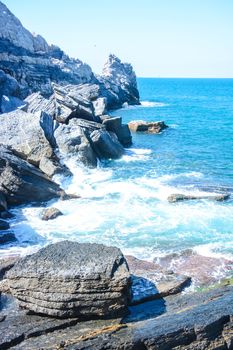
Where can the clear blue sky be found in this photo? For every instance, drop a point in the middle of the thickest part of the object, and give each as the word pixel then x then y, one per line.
pixel 161 38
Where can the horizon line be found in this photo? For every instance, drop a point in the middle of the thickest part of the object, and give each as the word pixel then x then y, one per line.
pixel 158 77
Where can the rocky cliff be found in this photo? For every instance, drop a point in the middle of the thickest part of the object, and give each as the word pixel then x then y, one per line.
pixel 54 107
pixel 35 65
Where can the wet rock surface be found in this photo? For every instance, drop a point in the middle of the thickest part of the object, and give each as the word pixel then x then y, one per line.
pixel 50 214
pixel 202 269
pixel 150 281
pixel 150 127
pixel 69 279
pixel 7 237
pixel 173 198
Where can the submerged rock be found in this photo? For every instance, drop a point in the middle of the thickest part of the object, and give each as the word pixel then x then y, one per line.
pixel 69 279
pixel 150 127
pixel 21 182
pixel 50 214
pixel 177 197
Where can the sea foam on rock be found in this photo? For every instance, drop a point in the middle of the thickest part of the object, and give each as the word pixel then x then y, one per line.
pixel 70 279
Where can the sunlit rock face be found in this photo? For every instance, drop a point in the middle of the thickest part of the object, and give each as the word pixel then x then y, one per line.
pixel 33 62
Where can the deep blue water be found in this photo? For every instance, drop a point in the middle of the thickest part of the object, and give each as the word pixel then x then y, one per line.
pixel 125 201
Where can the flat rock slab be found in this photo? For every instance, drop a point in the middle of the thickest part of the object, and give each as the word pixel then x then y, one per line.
pixel 191 321
pixel 174 198
pixel 68 279
pixel 150 281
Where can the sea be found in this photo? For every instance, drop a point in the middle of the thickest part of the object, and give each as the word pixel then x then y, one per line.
pixel 124 202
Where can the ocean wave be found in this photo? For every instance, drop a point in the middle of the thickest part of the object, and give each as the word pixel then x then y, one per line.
pixel 153 104
pixel 136 154
pixel 145 104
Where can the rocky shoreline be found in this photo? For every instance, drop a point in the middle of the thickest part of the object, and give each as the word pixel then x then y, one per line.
pixel 87 296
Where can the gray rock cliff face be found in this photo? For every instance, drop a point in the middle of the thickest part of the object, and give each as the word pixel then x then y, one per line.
pixel 42 89
pixel 21 182
pixel 32 62
pixel 30 135
pixel 36 65
pixel 119 83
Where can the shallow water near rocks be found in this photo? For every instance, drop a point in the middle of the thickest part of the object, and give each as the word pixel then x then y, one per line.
pixel 124 202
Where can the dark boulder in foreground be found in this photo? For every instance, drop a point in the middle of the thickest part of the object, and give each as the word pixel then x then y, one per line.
pixel 50 214
pixel 21 182
pixel 150 127
pixel 173 198
pixel 69 279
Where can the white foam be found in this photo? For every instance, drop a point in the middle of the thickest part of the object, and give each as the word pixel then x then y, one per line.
pixel 136 154
pixel 153 104
pixel 131 213
pixel 145 104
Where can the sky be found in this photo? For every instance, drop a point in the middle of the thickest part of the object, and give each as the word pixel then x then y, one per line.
pixel 160 38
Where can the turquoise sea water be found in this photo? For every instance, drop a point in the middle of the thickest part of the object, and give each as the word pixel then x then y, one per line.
pixel 124 202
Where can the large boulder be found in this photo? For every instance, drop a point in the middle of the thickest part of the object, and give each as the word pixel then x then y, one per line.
pixel 72 139
pixel 30 135
pixel 36 103
pixel 106 145
pixel 72 103
pixel 69 279
pixel 21 182
pixel 150 127
pixel 122 131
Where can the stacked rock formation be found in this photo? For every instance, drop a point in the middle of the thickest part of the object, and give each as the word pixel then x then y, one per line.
pixel 69 279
